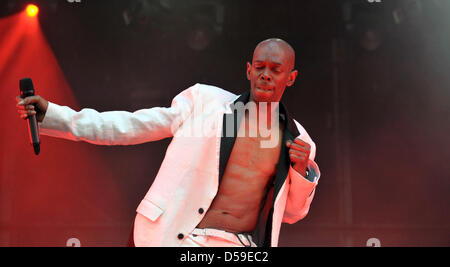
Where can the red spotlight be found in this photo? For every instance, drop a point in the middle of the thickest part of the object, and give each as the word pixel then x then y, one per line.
pixel 32 10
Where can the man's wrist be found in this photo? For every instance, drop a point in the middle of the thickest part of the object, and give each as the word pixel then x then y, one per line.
pixel 304 172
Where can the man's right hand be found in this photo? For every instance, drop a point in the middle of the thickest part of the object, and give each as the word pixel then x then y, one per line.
pixel 32 105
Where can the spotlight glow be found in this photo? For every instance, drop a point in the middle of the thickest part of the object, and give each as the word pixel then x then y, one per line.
pixel 32 10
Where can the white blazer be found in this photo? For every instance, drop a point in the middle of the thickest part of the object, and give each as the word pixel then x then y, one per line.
pixel 188 179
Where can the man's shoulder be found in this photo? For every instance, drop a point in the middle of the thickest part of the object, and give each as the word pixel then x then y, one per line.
pixel 207 91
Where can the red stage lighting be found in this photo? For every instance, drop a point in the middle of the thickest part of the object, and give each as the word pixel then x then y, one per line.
pixel 32 10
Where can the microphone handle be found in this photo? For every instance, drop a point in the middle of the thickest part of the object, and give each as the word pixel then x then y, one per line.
pixel 34 133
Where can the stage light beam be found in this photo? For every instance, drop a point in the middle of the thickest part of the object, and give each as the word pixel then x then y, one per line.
pixel 32 10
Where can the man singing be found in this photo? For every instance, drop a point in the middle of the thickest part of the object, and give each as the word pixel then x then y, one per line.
pixel 230 185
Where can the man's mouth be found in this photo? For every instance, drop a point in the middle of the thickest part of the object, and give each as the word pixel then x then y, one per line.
pixel 264 88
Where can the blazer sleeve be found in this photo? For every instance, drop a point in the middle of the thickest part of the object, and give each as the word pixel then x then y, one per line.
pixel 118 127
pixel 301 193
pixel 301 189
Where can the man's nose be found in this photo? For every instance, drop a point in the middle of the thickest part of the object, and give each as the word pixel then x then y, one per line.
pixel 266 77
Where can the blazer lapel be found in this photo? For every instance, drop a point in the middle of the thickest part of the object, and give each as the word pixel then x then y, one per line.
pixel 263 232
pixel 227 141
pixel 290 132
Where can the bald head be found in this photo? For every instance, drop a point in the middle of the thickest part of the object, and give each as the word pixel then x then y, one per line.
pixel 275 43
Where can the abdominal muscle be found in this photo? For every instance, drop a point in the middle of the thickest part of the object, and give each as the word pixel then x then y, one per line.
pixel 236 206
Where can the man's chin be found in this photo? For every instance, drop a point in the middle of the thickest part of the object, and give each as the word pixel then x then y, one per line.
pixel 261 95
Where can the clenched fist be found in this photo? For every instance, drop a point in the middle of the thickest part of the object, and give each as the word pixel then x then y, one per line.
pixel 299 152
pixel 32 105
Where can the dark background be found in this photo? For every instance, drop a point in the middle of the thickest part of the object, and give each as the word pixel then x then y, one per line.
pixel 373 93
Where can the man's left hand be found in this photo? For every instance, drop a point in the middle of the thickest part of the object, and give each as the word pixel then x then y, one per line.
pixel 299 152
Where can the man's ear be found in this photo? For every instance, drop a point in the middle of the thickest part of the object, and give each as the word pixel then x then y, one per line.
pixel 292 77
pixel 249 70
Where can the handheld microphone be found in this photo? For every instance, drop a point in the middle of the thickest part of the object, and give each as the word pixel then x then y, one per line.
pixel 26 90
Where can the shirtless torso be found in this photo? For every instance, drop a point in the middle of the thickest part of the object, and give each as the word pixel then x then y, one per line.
pixel 249 170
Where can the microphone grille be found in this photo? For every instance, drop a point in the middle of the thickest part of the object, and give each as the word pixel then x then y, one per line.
pixel 26 87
